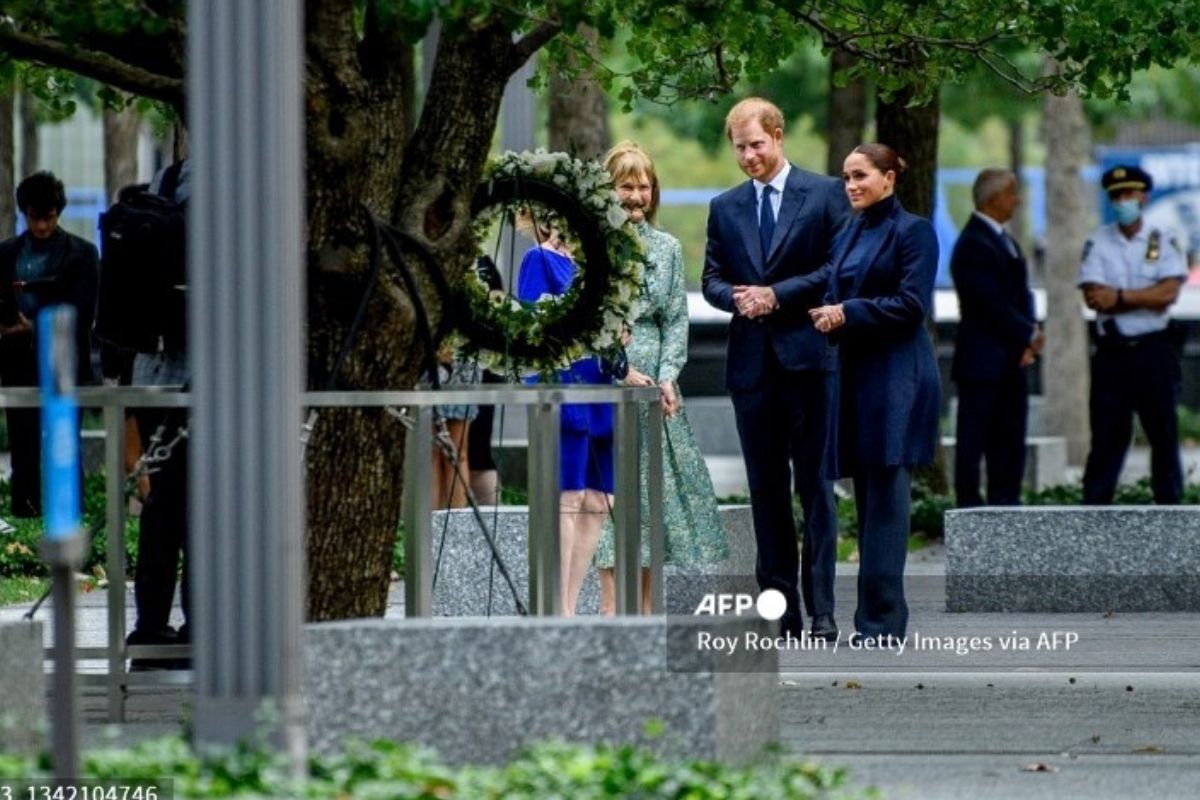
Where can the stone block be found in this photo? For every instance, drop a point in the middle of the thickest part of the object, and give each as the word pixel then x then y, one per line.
pixel 1035 426
pixel 1045 461
pixel 467 583
pixel 1073 559
pixel 22 688
pixel 480 690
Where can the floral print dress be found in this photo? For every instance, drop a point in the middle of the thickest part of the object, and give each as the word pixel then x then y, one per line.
pixel 658 348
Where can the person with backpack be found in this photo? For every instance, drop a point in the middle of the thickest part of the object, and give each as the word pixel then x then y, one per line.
pixel 141 317
pixel 44 266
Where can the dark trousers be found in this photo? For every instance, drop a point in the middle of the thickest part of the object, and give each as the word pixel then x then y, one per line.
pixel 787 419
pixel 881 495
pixel 1134 376
pixel 18 367
pixel 162 538
pixel 992 419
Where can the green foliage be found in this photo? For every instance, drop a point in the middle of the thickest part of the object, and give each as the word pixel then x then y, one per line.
pixel 19 553
pixel 387 769
pixel 1138 493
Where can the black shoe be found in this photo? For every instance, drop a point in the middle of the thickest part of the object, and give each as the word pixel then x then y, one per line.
pixel 167 635
pixel 823 627
pixel 791 624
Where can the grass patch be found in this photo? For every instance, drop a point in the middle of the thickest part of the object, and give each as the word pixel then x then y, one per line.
pixel 21 589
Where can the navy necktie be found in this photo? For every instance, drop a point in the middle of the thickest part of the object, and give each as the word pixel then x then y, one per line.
pixel 766 222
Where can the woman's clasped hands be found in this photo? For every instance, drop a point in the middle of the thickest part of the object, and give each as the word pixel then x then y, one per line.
pixel 828 318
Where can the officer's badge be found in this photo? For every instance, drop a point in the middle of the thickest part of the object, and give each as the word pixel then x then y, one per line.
pixel 1154 246
pixel 1118 173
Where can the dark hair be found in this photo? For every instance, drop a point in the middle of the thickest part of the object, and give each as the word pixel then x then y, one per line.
pixel 41 193
pixel 883 157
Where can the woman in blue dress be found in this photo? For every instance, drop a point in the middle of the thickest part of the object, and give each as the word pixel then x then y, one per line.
pixel 586 457
pixel 880 292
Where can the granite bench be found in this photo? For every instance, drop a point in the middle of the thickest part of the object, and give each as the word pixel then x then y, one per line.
pixel 480 690
pixel 466 582
pixel 22 688
pixel 1073 559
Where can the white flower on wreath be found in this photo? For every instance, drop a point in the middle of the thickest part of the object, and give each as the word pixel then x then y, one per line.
pixel 616 215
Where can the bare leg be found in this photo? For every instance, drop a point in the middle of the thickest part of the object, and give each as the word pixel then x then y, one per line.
pixel 570 504
pixel 587 535
pixel 459 477
pixel 608 591
pixel 647 595
pixel 485 483
pixel 440 488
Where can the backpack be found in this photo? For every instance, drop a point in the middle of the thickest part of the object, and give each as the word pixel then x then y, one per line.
pixel 143 269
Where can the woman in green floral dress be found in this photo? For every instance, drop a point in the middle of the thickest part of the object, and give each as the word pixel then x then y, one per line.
pixel 657 351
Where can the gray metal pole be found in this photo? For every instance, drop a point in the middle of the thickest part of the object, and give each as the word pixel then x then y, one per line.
pixel 114 532
pixel 418 528
pixel 545 549
pixel 627 527
pixel 246 263
pixel 654 491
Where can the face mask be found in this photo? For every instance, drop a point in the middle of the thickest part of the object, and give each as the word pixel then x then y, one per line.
pixel 1128 211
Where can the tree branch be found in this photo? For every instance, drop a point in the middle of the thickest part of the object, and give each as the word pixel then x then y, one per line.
pixel 99 66
pixel 535 40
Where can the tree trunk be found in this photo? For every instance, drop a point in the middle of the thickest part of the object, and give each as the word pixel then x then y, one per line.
pixel 913 133
pixel 8 184
pixel 1016 159
pixel 355 458
pixel 120 150
pixel 30 150
pixel 579 113
pixel 1065 377
pixel 847 113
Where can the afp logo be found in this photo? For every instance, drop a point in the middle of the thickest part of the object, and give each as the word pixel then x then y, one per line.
pixel 770 604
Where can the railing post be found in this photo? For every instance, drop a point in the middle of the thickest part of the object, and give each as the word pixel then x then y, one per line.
pixel 545 577
pixel 628 509
pixel 418 544
pixel 654 491
pixel 114 503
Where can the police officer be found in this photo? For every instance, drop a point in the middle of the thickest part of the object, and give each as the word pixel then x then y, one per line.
pixel 1130 275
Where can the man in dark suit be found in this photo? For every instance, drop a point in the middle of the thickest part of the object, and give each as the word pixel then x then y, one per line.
pixel 998 337
pixel 769 243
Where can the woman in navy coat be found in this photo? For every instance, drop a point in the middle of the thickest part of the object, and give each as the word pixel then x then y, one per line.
pixel 880 292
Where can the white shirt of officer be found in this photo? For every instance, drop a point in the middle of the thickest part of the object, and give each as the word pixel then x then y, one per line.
pixel 1126 263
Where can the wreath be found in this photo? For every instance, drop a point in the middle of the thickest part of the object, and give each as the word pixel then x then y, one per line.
pixel 513 337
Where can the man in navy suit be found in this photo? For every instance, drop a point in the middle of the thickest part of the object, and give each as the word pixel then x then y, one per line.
pixel 998 337
pixel 769 242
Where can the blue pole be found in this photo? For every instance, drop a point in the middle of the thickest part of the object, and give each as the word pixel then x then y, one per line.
pixel 63 544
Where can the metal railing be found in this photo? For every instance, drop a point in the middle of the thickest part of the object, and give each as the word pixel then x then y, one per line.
pixel 543 403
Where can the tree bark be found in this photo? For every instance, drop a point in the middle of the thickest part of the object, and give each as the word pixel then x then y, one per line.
pixel 422 186
pixel 8 184
pixel 847 113
pixel 1016 159
pixel 578 121
pixel 913 133
pixel 120 150
pixel 1065 376
pixel 30 150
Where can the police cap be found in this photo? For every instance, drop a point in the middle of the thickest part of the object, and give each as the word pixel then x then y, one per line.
pixel 1121 178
